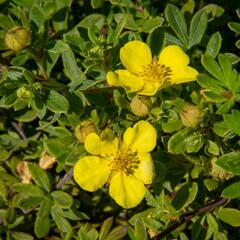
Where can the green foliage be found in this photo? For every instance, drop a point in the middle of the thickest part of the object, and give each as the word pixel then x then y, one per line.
pixel 58 79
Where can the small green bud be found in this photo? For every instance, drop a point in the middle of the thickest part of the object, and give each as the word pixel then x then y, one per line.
pixel 84 129
pixel 23 92
pixel 107 135
pixel 17 38
pixel 140 105
pixel 191 116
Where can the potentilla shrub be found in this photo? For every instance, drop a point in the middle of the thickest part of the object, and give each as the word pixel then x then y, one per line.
pixel 119 119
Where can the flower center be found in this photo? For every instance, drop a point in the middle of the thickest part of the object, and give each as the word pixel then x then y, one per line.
pixel 155 72
pixel 125 160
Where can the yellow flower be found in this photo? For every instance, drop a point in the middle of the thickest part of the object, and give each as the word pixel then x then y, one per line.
pixel 126 164
pixel 145 74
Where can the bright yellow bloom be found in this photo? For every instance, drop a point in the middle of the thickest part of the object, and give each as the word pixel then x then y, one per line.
pixel 145 74
pixel 125 164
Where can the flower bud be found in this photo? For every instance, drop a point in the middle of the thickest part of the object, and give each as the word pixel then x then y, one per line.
pixel 23 92
pixel 23 171
pixel 107 135
pixel 218 173
pixel 140 105
pixel 84 129
pixel 17 38
pixel 46 161
pixel 191 116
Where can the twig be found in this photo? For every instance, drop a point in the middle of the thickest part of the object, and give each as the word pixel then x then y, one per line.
pixel 19 129
pixel 65 178
pixel 187 217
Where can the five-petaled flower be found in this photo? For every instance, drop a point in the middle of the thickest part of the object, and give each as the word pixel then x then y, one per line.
pixel 125 164
pixel 145 74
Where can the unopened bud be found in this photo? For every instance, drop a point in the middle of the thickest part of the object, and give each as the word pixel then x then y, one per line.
pixel 191 116
pixel 84 129
pixel 23 92
pixel 17 38
pixel 107 135
pixel 46 161
pixel 23 171
pixel 141 105
pixel 218 173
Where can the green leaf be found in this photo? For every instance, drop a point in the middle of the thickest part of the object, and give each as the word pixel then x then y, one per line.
pixel 62 199
pixel 56 102
pixel 3 190
pixel 97 3
pixel 210 83
pixel 42 223
pixel 224 108
pixel 197 28
pixel 71 69
pixel 214 45
pixel 212 223
pixel 210 184
pixel 230 162
pixel 185 195
pixel 230 216
pixel 152 23
pixel 37 15
pixel 221 129
pixel 72 214
pixel 212 67
pixel 140 232
pixel 235 27
pixel 226 67
pixel 185 141
pixel 213 10
pixel 61 222
pixel 213 96
pixel 213 148
pixel 232 191
pixel 197 228
pixel 172 125
pixel 39 176
pixel 117 233
pixel 21 236
pixel 156 40
pixel 29 203
pixel 60 17
pixel 233 57
pixel 237 44
pixel 28 189
pixel 105 228
pixel 131 23
pixel 24 3
pixel 92 19
pixel 119 29
pixel 51 58
pixel 177 21
pixel 220 236
pixel 5 22
pixel 188 6
pixel 232 121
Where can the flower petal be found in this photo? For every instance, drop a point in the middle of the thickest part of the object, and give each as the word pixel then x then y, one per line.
pixel 126 190
pixel 141 138
pixel 125 79
pixel 134 55
pixel 150 88
pixel 91 172
pixel 145 170
pixel 186 74
pixel 96 146
pixel 174 57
